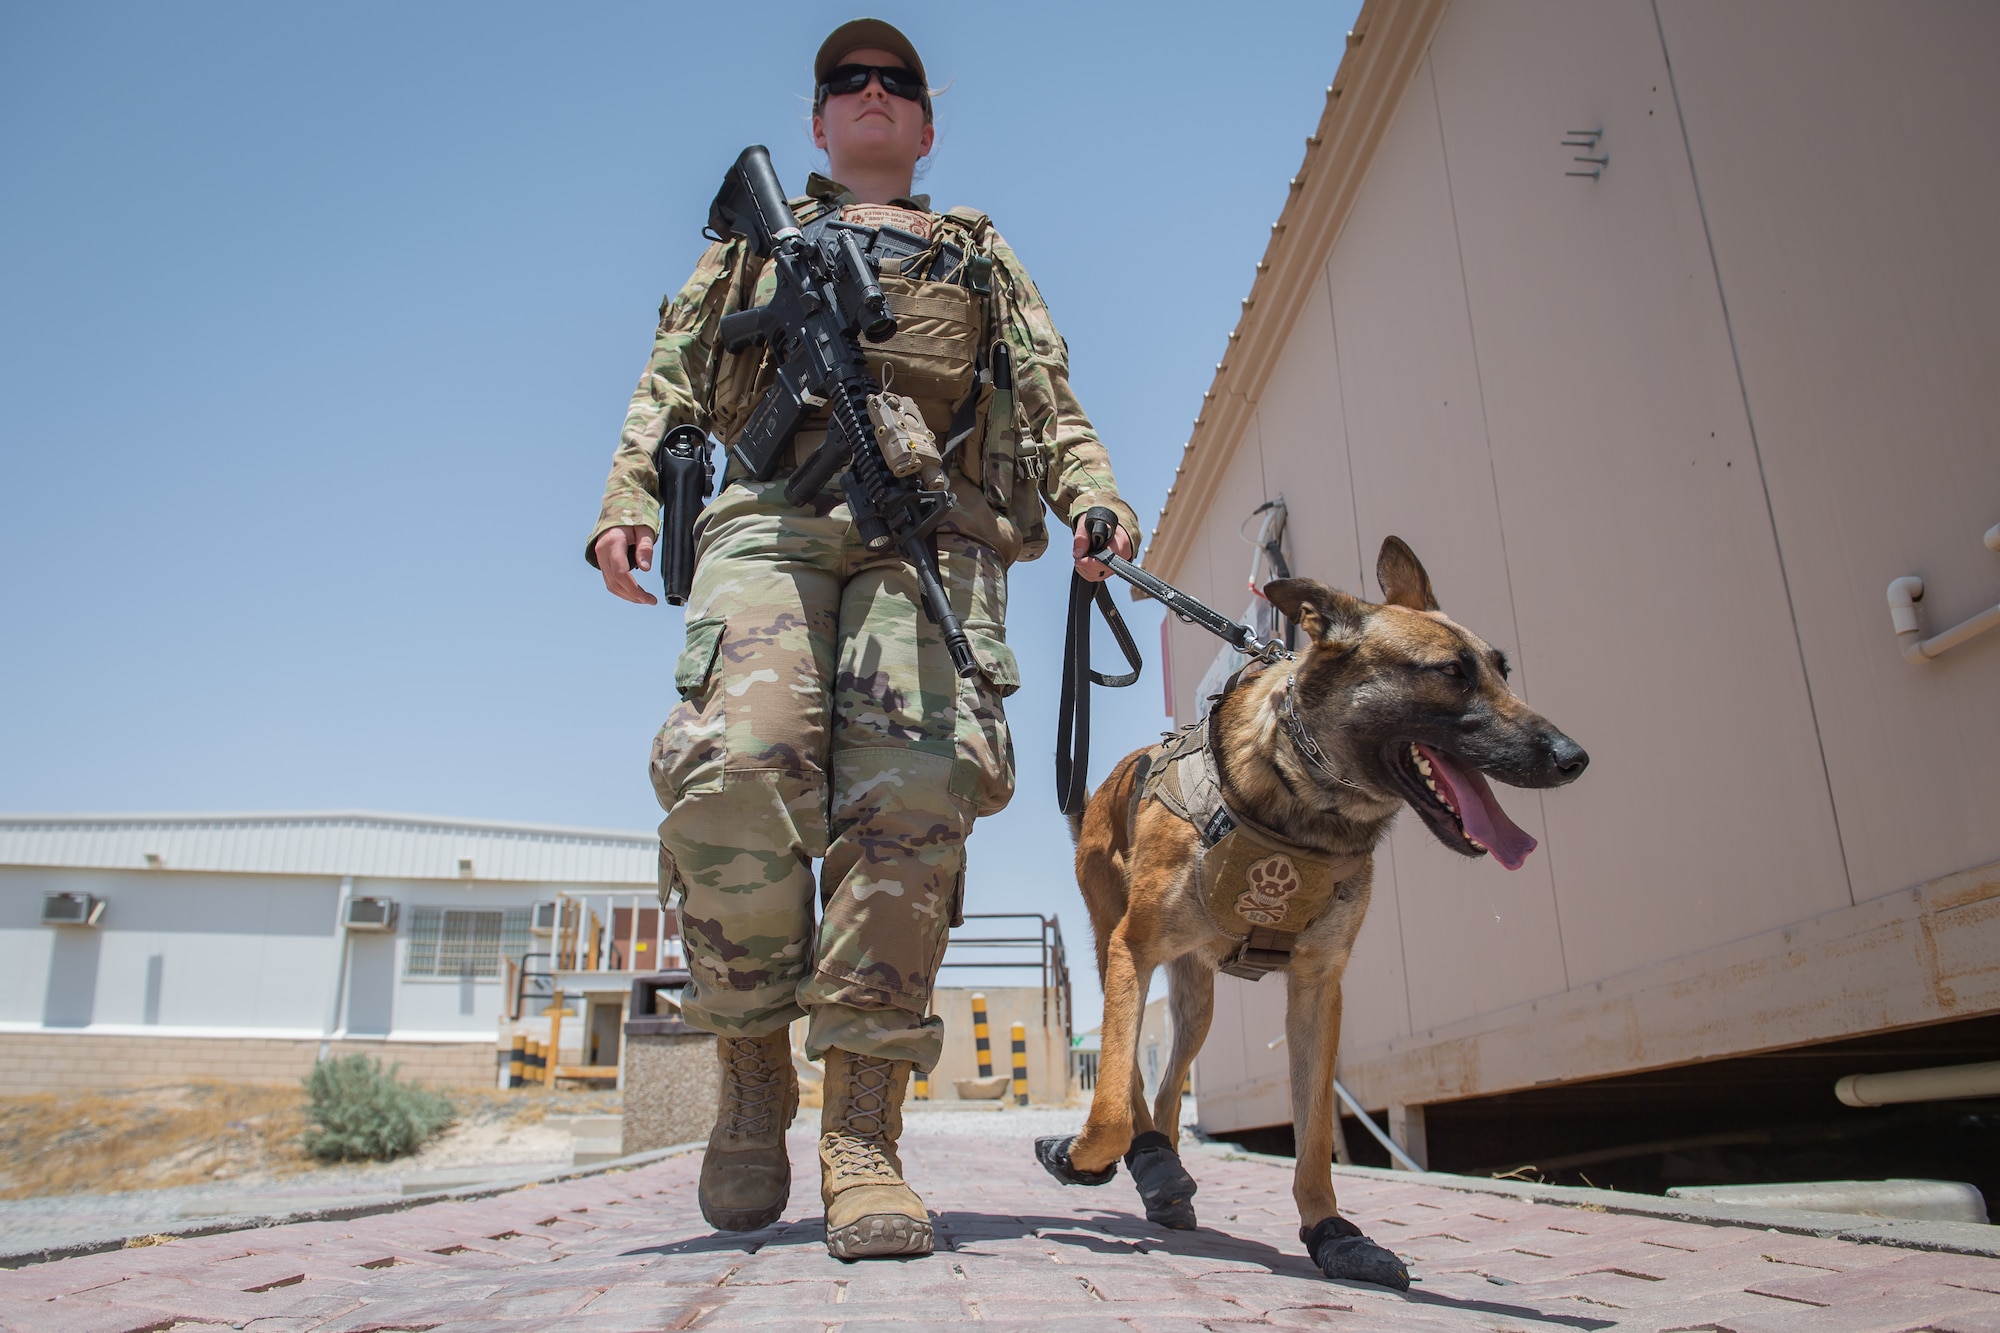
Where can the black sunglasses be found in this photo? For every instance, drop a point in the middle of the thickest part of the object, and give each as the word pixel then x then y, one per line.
pixel 896 81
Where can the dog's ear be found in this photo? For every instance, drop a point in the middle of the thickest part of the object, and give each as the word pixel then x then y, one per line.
pixel 1404 582
pixel 1322 612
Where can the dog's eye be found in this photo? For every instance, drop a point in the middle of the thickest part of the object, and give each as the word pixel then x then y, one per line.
pixel 1452 669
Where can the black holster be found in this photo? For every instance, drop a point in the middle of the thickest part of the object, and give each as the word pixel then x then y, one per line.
pixel 681 464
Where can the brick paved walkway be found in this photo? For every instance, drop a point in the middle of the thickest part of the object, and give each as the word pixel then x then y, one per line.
pixel 627 1251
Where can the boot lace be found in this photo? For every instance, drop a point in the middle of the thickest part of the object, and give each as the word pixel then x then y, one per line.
pixel 754 1091
pixel 857 1142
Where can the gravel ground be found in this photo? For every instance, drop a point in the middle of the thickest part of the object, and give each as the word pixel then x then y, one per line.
pixel 75 1218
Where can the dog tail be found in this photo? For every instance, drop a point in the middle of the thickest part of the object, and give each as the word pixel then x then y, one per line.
pixel 1076 826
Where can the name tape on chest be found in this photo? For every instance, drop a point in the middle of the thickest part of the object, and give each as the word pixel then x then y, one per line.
pixel 888 215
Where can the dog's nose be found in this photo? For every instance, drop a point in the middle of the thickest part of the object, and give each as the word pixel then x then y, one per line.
pixel 1566 758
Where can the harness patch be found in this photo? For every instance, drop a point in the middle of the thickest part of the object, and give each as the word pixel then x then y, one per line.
pixel 1257 887
pixel 1273 880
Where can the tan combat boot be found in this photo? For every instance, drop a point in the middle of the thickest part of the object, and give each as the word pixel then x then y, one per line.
pixel 870 1212
pixel 746 1175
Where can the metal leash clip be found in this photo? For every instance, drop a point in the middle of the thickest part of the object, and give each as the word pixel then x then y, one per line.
pixel 1073 710
pixel 1238 636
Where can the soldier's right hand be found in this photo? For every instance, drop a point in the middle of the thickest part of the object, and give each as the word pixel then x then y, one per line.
pixel 619 552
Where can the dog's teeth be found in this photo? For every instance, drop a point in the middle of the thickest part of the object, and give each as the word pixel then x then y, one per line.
pixel 1475 842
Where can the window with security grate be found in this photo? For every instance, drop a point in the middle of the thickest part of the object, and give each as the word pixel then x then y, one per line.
pixel 458 942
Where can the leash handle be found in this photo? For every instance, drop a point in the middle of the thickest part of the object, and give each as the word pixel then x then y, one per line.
pixel 1073 711
pixel 1238 636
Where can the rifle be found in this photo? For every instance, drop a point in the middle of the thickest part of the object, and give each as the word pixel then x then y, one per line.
pixel 827 300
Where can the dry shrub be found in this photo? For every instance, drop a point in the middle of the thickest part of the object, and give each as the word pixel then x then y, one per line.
pixel 361 1111
pixel 147 1138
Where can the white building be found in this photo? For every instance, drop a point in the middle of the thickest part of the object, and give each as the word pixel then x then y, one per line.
pixel 1665 332
pixel 135 948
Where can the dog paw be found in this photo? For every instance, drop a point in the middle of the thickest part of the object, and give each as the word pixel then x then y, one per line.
pixel 1164 1184
pixel 1053 1154
pixel 1345 1255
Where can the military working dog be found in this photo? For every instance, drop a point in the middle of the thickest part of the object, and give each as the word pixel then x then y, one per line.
pixel 1244 844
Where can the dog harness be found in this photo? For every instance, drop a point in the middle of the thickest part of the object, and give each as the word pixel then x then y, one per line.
pixel 1259 888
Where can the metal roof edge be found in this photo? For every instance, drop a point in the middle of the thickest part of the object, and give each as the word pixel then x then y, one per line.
pixel 438 823
pixel 1387 44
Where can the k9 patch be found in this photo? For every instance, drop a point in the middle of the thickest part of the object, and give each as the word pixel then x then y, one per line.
pixel 1246 884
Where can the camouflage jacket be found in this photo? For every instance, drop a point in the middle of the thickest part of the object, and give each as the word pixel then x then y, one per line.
pixel 680 380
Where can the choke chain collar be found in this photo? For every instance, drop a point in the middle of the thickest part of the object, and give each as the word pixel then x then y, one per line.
pixel 1302 739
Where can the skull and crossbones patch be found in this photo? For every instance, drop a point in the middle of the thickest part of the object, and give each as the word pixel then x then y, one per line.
pixel 1272 881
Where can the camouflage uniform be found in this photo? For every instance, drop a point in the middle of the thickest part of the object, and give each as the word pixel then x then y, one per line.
pixel 820 715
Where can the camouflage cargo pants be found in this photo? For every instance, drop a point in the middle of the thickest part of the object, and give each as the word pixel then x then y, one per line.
pixel 821 720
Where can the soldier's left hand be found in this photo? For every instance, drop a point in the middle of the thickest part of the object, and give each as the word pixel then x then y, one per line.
pixel 1121 545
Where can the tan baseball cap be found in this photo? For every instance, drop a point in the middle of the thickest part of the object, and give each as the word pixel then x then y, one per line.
pixel 855 35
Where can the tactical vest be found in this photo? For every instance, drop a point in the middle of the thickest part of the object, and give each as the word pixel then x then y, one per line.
pixel 940 356
pixel 1258 887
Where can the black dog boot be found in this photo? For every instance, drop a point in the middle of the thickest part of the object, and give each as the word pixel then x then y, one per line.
pixel 1164 1185
pixel 1345 1255
pixel 1053 1154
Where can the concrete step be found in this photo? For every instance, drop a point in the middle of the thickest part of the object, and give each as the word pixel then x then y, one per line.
pixel 278 1205
pixel 451 1178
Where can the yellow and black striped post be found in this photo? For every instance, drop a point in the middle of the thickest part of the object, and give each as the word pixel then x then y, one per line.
pixel 1020 1037
pixel 920 1086
pixel 517 1061
pixel 982 1040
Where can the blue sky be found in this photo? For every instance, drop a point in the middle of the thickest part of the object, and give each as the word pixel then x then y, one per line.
pixel 317 326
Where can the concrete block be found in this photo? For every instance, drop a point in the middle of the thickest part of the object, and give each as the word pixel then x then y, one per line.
pixel 671 1086
pixel 1924 1200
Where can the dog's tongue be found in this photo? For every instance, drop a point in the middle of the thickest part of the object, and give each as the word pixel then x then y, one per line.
pixel 1468 793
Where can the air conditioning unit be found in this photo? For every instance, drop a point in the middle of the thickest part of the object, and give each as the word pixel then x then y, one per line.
pixel 544 918
pixel 72 909
pixel 371 914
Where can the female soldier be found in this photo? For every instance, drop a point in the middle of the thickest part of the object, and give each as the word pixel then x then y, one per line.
pixel 821 717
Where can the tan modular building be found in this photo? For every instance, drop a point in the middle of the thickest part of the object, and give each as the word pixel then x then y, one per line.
pixel 1668 335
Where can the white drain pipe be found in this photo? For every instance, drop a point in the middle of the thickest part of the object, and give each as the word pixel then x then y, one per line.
pixel 1905 593
pixel 1943 1084
pixel 334 1003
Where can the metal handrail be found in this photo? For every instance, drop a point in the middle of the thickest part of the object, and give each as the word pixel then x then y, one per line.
pixel 1051 959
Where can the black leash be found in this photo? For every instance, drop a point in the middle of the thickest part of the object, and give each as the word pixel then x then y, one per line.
pixel 1073 713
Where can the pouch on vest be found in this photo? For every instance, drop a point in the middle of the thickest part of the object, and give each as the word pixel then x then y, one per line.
pixel 931 358
pixel 997 449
